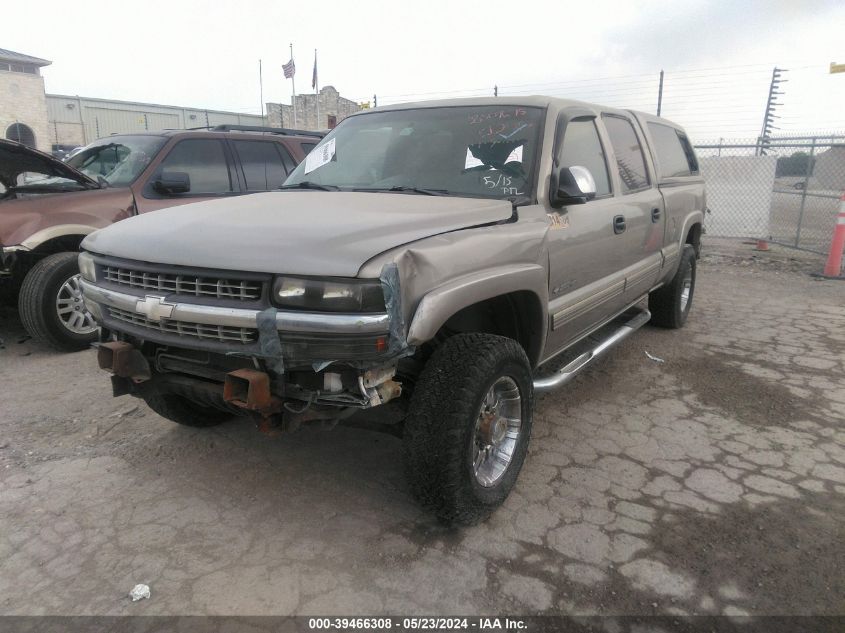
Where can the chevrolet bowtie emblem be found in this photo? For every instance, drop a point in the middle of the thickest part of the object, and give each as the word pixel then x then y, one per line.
pixel 154 308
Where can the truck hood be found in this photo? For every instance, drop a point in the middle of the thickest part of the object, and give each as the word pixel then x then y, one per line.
pixel 16 159
pixel 295 232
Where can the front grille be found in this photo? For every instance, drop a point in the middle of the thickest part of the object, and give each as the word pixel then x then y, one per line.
pixel 201 331
pixel 192 285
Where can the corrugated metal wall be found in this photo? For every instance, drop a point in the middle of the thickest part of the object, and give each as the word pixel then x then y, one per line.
pixel 79 120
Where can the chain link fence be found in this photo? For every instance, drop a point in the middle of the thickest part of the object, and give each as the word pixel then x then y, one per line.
pixel 785 190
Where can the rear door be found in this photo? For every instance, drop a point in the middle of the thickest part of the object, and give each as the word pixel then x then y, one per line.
pixel 640 213
pixel 264 165
pixel 678 179
pixel 209 165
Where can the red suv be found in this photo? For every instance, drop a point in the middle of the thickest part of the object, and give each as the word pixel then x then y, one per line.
pixel 47 206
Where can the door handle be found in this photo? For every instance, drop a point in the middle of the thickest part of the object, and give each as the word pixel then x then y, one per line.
pixel 655 215
pixel 619 224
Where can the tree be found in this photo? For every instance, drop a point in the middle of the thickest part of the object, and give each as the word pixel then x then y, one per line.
pixel 794 165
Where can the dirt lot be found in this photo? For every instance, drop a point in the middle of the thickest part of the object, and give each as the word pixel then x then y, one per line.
pixel 713 482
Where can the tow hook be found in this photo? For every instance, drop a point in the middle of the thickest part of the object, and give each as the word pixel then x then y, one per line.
pixel 250 389
pixel 123 360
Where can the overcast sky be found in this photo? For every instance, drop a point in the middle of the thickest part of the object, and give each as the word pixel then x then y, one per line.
pixel 718 55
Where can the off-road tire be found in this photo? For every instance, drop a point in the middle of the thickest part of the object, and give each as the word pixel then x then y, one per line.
pixel 37 303
pixel 182 411
pixel 439 432
pixel 665 303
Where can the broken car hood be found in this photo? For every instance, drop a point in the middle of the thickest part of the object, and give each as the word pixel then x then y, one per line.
pixel 295 232
pixel 16 159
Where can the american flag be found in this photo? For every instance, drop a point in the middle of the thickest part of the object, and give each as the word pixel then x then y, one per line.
pixel 289 68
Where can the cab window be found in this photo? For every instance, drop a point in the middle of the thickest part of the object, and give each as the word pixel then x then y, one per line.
pixel 630 160
pixel 582 146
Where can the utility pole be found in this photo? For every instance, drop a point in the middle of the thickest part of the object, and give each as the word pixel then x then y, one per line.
pixel 660 95
pixel 771 105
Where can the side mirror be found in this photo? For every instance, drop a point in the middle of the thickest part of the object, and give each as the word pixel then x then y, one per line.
pixel 572 185
pixel 170 182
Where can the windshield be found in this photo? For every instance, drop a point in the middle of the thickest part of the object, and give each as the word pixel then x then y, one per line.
pixel 467 150
pixel 117 159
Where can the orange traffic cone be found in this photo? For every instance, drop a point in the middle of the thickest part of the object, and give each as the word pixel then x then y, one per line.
pixel 833 268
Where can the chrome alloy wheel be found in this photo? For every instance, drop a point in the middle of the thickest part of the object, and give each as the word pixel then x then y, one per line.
pixel 497 431
pixel 71 309
pixel 686 289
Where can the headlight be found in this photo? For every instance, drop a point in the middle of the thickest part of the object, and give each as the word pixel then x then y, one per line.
pixel 86 267
pixel 328 295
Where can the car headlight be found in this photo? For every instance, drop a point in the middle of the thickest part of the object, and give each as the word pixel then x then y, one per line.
pixel 328 295
pixel 86 267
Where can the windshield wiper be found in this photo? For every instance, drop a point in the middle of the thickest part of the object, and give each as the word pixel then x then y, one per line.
pixel 425 192
pixel 307 184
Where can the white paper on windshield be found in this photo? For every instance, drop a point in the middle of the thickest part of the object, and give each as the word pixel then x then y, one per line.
pixel 515 155
pixel 471 161
pixel 319 156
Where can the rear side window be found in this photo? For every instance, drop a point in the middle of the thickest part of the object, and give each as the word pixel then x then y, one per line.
pixel 204 160
pixel 690 154
pixel 630 160
pixel 581 146
pixel 672 158
pixel 307 147
pixel 262 164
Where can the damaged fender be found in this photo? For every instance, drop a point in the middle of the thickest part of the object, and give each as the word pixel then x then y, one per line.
pixel 440 304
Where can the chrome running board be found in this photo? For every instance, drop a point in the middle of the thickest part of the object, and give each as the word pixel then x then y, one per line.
pixel 574 367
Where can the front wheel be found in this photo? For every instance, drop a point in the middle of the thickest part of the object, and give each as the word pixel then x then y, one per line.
pixel 468 426
pixel 670 304
pixel 50 304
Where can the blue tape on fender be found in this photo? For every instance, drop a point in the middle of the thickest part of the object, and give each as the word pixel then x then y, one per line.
pixel 393 303
pixel 269 341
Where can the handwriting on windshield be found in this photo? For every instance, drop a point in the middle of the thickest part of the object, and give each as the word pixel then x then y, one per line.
pixel 484 117
pixel 501 124
pixel 500 181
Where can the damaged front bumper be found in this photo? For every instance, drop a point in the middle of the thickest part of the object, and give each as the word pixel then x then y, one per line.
pixel 283 367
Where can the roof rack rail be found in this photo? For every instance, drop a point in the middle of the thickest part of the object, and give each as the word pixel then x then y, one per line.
pixel 227 127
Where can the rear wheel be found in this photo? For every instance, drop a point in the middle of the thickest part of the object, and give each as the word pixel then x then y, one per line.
pixel 50 304
pixel 670 304
pixel 468 426
pixel 183 411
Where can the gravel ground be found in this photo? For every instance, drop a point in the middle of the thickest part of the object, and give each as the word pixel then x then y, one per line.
pixel 711 483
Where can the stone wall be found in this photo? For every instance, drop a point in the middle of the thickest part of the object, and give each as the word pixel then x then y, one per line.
pixel 22 100
pixel 331 104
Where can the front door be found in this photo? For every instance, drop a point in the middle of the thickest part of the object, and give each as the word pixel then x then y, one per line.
pixel 209 168
pixel 586 259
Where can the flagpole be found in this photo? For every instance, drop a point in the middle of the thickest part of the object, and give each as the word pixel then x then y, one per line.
pixel 261 91
pixel 293 86
pixel 317 88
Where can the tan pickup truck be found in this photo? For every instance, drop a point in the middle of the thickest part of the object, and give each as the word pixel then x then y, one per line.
pixel 437 263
